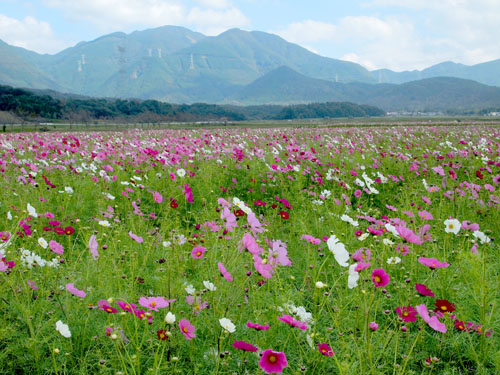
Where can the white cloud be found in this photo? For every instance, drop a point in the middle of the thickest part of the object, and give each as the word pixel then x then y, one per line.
pixel 31 34
pixel 411 34
pixel 213 22
pixel 116 15
pixel 211 17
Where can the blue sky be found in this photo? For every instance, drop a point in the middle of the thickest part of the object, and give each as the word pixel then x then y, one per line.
pixel 394 34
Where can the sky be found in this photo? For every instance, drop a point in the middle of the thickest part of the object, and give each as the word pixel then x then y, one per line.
pixel 393 34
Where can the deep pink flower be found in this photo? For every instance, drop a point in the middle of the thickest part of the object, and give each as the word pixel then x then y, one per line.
pixel 424 291
pixel 76 292
pixel 4 236
pixel 69 230
pixel 242 345
pixel 407 313
pixel 129 307
pixel 104 305
pixel 258 327
pixel 294 323
pixel 432 263
pixel 224 272
pixel 380 277
pixel 273 362
pixel 198 252
pixel 187 329
pixel 324 349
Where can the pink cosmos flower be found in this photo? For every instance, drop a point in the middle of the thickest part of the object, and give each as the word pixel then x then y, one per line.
pixel 373 326
pixel 273 362
pixel 360 266
pixel 4 236
pixel 325 349
pixel 135 237
pixel 265 269
pixel 380 277
pixel 188 193
pixel 198 252
pixel 424 291
pixel 242 345
pixel 254 223
pixel 279 254
pixel 433 322
pixel 224 272
pixel 432 263
pixel 56 247
pixel 157 197
pixel 358 193
pixel 93 247
pixel 407 313
pixel 230 219
pixel 294 323
pixel 257 327
pixel 408 235
pixel 425 215
pixel 251 245
pixel 362 254
pixel 311 239
pixel 187 329
pixel 71 288
pixel 32 285
pixel 155 303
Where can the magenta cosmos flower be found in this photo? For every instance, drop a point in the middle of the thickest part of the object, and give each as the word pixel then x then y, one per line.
pixel 432 263
pixel 258 327
pixel 424 291
pixel 380 277
pixel 273 362
pixel 198 252
pixel 294 323
pixel 187 329
pixel 242 345
pixel 407 313
pixel 324 349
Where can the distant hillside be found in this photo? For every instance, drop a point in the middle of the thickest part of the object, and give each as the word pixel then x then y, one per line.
pixel 487 73
pixel 168 63
pixel 285 86
pixel 36 105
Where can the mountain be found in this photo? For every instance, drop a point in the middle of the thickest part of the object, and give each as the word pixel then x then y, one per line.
pixel 286 86
pixel 486 73
pixel 168 63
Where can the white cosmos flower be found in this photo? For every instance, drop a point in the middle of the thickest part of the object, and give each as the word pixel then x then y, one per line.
pixel 190 289
pixel 393 260
pixel 68 189
pixel 9 216
pixel 42 242
pixel 452 226
pixel 363 237
pixel 387 242
pixel 392 229
pixel 170 318
pixel 31 210
pixel 227 324
pixel 320 285
pixel 63 329
pixel 209 286
pixel 349 220
pixel 104 223
pixel 481 236
pixel 352 280
pixel 338 250
pixel 181 172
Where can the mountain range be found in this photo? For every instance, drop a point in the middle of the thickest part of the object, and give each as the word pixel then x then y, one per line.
pixel 177 65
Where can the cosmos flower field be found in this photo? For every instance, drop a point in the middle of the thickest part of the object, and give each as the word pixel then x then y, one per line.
pixel 249 251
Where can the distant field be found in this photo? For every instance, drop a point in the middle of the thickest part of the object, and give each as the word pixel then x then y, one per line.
pixel 305 247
